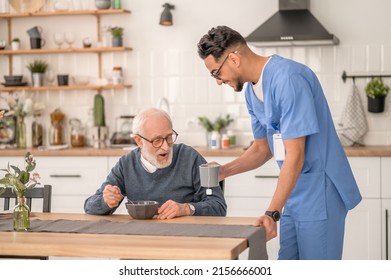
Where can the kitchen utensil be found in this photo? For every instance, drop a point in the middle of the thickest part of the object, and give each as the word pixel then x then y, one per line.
pixel 209 175
pixel 59 39
pixel 142 209
pixel 37 43
pixel 3 44
pixel 13 78
pixel 63 79
pixel 35 32
pixel 103 4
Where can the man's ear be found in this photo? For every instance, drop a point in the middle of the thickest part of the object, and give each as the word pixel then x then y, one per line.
pixel 138 140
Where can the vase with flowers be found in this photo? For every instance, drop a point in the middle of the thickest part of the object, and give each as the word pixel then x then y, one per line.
pixel 20 108
pixel 20 181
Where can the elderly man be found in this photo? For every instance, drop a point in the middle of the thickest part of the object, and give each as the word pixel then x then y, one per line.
pixel 158 170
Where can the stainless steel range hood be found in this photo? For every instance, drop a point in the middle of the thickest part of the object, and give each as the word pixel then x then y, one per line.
pixel 292 25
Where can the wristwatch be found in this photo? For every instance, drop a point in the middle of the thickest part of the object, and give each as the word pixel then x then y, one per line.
pixel 275 215
pixel 192 209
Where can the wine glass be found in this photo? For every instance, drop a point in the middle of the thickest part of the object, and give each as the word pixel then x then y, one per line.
pixel 50 77
pixel 70 38
pixel 59 39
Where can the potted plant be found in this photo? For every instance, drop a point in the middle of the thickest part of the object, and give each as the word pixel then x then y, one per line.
pixel 37 68
pixel 214 129
pixel 376 92
pixel 15 44
pixel 20 181
pixel 117 33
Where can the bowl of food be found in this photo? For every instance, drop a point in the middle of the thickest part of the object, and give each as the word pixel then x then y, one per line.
pixel 13 79
pixel 142 209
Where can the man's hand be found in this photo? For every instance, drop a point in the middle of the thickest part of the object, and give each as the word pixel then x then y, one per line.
pixel 172 209
pixel 112 196
pixel 269 224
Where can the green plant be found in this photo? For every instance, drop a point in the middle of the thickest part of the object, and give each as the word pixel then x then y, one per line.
pixel 20 180
pixel 117 31
pixel 15 40
pixel 217 125
pixel 376 88
pixel 38 66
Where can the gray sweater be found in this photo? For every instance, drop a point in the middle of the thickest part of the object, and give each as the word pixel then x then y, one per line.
pixel 179 182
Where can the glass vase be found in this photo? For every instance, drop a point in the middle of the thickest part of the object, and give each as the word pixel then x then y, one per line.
pixel 21 215
pixel 21 133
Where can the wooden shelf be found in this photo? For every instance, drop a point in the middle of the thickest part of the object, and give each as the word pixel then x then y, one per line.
pixel 65 50
pixel 70 87
pixel 65 13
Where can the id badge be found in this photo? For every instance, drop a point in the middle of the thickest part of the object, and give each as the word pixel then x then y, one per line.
pixel 278 147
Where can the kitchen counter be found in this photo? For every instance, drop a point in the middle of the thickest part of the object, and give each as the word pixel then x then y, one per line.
pixel 369 151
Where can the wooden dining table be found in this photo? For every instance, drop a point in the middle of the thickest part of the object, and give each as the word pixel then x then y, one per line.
pixel 113 246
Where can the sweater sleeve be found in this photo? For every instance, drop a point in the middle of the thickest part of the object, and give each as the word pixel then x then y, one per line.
pixel 95 204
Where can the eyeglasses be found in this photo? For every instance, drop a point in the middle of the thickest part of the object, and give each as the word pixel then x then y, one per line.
pixel 216 73
pixel 158 141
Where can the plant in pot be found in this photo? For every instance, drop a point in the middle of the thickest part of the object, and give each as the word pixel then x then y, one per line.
pixel 15 44
pixel 117 33
pixel 376 91
pixel 214 129
pixel 37 68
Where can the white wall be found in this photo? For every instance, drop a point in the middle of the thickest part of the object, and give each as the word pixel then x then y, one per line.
pixel 164 62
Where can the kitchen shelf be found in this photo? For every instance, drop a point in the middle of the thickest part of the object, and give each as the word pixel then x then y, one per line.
pixel 70 87
pixel 65 50
pixel 65 13
pixel 8 17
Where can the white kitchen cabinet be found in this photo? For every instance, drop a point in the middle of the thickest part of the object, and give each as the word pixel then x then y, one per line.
pixel 73 180
pixel 363 223
pixel 386 208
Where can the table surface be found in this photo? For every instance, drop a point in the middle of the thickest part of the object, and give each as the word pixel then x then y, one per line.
pixel 124 246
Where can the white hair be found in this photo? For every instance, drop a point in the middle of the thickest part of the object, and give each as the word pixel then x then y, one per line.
pixel 141 118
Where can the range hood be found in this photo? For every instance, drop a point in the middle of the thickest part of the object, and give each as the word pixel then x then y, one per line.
pixel 292 25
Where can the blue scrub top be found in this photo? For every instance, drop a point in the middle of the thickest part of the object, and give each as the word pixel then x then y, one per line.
pixel 295 106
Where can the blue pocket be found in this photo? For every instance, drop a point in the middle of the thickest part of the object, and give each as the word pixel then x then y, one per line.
pixel 308 199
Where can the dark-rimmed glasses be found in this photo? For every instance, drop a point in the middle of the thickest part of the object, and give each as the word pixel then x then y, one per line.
pixel 216 73
pixel 158 141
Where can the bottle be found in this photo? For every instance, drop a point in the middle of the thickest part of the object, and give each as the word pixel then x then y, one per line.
pixel 117 4
pixel 232 138
pixel 215 140
pixel 56 129
pixel 37 130
pixel 117 75
pixel 225 141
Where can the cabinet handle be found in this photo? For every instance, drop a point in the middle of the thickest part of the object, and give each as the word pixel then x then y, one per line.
pixel 387 234
pixel 65 176
pixel 266 176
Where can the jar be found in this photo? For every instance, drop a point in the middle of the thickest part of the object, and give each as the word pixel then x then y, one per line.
pixel 77 133
pixel 117 75
pixel 232 138
pixel 56 129
pixel 225 141
pixel 215 140
pixel 37 131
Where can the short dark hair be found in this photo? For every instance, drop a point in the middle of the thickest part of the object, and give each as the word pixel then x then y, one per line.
pixel 218 40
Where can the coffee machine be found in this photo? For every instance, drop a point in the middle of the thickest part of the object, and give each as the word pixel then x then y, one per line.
pixel 122 136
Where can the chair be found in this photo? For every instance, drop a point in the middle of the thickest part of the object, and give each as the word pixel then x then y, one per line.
pixel 222 185
pixel 44 193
